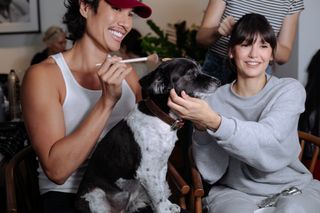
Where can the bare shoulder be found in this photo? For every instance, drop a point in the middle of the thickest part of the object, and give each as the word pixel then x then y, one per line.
pixel 47 68
pixel 43 78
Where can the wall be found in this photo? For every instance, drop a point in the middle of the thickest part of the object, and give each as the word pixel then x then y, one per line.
pixel 16 50
pixel 309 36
pixel 306 44
pixel 169 11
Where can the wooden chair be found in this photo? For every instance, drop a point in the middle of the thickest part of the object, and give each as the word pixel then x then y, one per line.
pixel 314 145
pixel 179 187
pixel 199 189
pixel 21 178
pixel 3 201
pixel 22 189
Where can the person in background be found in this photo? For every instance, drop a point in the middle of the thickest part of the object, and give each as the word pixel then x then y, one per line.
pixel 69 103
pixel 219 19
pixel 55 40
pixel 246 142
pixel 131 45
pixel 309 119
pixel 131 48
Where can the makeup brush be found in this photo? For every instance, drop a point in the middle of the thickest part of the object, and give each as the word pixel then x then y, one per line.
pixel 154 58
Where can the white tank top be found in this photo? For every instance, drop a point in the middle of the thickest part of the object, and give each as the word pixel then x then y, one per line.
pixel 77 104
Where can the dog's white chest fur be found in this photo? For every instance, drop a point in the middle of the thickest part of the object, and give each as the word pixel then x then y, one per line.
pixel 156 140
pixel 154 137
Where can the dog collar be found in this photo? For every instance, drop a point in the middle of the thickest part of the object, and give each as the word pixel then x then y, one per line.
pixel 175 124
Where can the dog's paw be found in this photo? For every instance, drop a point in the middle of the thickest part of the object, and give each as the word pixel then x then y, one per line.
pixel 174 208
pixel 168 207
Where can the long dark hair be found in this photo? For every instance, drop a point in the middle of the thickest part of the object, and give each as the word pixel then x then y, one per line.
pixel 310 118
pixel 73 19
pixel 248 27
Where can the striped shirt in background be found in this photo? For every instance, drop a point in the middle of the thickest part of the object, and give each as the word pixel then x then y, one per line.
pixel 274 10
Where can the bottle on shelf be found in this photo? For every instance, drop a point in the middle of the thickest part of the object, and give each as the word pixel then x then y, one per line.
pixel 14 96
pixel 2 105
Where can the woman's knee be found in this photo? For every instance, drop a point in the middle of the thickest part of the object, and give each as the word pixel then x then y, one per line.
pixel 231 205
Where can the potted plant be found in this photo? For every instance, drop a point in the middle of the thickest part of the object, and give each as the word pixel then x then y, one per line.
pixel 177 41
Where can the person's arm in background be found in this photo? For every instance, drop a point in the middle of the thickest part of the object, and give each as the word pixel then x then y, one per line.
pixel 211 27
pixel 286 38
pixel 208 31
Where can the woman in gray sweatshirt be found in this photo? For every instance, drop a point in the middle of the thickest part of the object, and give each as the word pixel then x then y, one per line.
pixel 246 142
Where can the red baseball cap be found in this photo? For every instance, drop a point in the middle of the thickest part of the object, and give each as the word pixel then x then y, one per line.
pixel 139 8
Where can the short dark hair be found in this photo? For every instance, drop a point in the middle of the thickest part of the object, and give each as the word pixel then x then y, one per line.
pixel 248 27
pixel 73 19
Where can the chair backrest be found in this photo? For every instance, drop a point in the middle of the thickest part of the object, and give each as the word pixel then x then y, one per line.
pixel 21 178
pixel 178 186
pixel 312 143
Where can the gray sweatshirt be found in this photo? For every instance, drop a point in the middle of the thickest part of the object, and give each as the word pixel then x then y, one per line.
pixel 256 148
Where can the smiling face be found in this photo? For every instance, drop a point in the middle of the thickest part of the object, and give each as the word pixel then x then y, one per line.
pixel 252 58
pixel 109 25
pixel 252 45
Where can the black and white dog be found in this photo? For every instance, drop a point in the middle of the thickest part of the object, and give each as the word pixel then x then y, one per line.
pixel 127 170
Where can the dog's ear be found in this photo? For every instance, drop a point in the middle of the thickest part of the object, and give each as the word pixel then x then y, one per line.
pixel 155 82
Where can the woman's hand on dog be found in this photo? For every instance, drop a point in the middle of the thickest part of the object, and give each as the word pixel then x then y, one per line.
pixel 194 109
pixel 111 74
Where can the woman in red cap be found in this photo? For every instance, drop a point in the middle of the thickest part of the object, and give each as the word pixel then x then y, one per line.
pixel 69 102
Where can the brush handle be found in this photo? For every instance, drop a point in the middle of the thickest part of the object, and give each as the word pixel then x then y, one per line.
pixel 132 60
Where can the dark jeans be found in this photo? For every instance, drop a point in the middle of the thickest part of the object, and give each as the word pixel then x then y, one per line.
pixel 59 202
pixel 216 66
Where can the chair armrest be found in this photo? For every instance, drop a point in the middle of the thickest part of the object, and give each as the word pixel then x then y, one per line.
pixel 179 186
pixel 198 190
pixel 179 182
pixel 304 138
pixel 10 176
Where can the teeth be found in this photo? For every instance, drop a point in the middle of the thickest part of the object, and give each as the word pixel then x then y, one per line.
pixel 252 63
pixel 116 33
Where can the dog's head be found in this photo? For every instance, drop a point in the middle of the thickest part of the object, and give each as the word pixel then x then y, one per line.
pixel 182 74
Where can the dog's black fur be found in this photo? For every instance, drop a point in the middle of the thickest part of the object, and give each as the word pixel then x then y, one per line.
pixel 119 154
